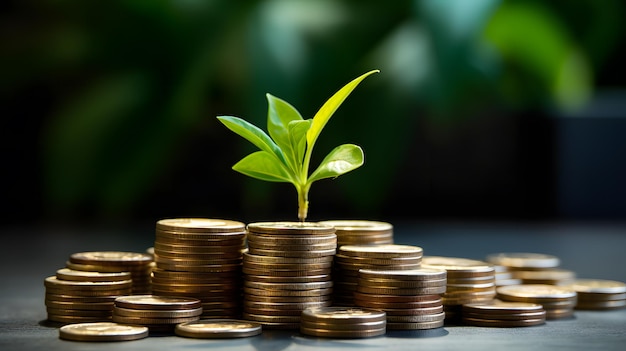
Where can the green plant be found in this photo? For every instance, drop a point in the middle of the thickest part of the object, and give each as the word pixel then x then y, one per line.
pixel 285 154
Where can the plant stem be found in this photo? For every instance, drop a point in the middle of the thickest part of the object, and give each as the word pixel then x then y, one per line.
pixel 303 202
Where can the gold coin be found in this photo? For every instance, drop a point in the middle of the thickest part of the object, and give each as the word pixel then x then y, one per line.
pixel 248 257
pixel 270 240
pixel 264 292
pixel 353 225
pixel 111 258
pixel 120 311
pixel 76 319
pixel 89 293
pixel 143 269
pixel 458 267
pixel 599 286
pixel 298 271
pixel 290 286
pixel 208 268
pixel 79 299
pixel 412 311
pixel 339 314
pixel 78 313
pixel 414 325
pixel 380 251
pixel 365 326
pixel 370 261
pixel 600 305
pixel 285 252
pixel 201 240
pixel 278 279
pixel 290 228
pixel 536 291
pixel 199 225
pixel 102 331
pixel 419 318
pixel 218 328
pixel 523 260
pixel 270 318
pixel 401 291
pixel 399 307
pixel 60 305
pixel 502 307
pixel 255 299
pixel 342 333
pixel 506 316
pixel 481 322
pixel 413 274
pixel 151 321
pixel 397 298
pixel 69 285
pixel 401 283
pixel 86 276
pixel 152 302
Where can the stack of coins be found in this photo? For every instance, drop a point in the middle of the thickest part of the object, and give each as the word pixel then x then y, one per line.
pixel 138 264
pixel 77 297
pixel 410 298
pixel 499 313
pixel 102 331
pixel 468 281
pixel 218 329
pixel 200 258
pixel 351 258
pixel 287 268
pixel 158 313
pixel 599 294
pixel 532 268
pixel 362 232
pixel 559 302
pixel 343 322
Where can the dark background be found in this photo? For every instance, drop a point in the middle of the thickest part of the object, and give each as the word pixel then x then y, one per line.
pixel 483 110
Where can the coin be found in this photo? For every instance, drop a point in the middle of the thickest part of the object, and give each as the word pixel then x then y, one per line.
pixel 413 274
pixel 52 282
pixel 102 331
pixel 381 251
pixel 128 312
pixel 202 225
pixel 152 302
pixel 597 286
pixel 481 322
pixel 536 291
pixel 87 276
pixel 108 258
pixel 524 260
pixel 342 333
pixel 291 228
pixel 337 314
pixel 458 266
pixel 218 328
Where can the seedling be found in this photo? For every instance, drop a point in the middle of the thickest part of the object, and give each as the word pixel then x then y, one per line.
pixel 285 154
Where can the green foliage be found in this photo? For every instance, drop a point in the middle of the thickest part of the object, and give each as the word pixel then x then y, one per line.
pixel 286 153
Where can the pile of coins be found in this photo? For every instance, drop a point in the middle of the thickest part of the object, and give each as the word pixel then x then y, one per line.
pixel 361 232
pixel 78 297
pixel 343 322
pixel 158 313
pixel 287 269
pixel 599 294
pixel 468 281
pixel 410 298
pixel 497 313
pixel 102 331
pixel 218 329
pixel 200 258
pixel 139 265
pixel 559 302
pixel 531 268
pixel 351 258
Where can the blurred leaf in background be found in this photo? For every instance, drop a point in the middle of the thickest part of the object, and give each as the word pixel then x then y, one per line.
pixel 112 103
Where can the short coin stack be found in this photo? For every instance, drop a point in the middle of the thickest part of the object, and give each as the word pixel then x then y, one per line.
pixel 599 294
pixel 343 322
pixel 77 297
pixel 559 302
pixel 468 281
pixel 287 269
pixel 532 268
pixel 361 232
pixel 200 258
pixel 410 298
pixel 351 258
pixel 499 313
pixel 218 329
pixel 158 313
pixel 139 265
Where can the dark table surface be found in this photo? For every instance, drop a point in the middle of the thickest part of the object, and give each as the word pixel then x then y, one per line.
pixel 592 250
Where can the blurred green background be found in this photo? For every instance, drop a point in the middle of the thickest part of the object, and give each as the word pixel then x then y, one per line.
pixel 483 109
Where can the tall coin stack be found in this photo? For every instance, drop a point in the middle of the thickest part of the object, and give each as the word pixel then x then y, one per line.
pixel 410 298
pixel 287 269
pixel 350 258
pixel 361 232
pixel 468 281
pixel 138 264
pixel 80 297
pixel 200 258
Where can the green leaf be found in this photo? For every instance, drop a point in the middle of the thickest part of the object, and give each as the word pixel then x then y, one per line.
pixel 297 140
pixel 330 106
pixel 253 134
pixel 340 160
pixel 279 114
pixel 264 166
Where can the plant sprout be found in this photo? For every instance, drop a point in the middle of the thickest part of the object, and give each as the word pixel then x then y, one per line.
pixel 285 154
